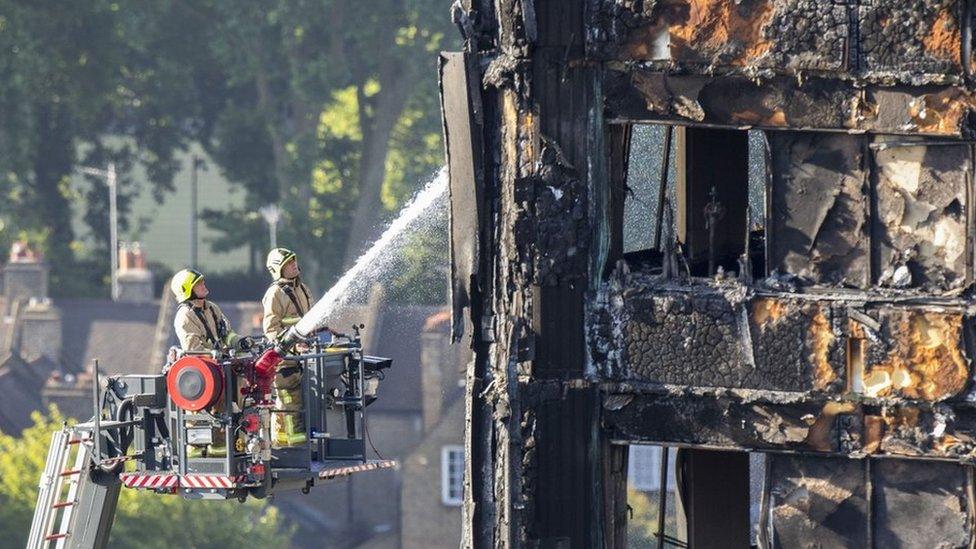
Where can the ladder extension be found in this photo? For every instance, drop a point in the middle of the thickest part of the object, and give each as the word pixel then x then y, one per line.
pixel 51 509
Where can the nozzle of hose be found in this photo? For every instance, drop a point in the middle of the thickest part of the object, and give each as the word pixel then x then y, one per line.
pixel 286 341
pixel 292 336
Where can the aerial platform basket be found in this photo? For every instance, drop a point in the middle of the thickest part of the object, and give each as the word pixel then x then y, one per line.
pixel 202 430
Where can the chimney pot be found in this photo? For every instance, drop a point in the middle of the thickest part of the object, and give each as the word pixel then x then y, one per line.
pixel 135 279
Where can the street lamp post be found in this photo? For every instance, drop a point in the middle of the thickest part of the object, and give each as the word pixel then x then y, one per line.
pixel 271 214
pixel 197 165
pixel 110 176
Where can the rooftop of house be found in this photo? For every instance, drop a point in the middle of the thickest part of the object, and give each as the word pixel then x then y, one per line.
pixel 119 335
pixel 20 385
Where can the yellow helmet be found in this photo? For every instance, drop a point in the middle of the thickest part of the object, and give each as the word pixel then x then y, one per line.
pixel 277 259
pixel 183 283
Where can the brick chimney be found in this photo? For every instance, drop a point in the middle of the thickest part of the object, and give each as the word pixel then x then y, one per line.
pixel 25 275
pixel 40 331
pixel 135 279
pixel 71 393
pixel 440 367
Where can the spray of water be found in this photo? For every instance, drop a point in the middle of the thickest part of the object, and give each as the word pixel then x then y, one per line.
pixel 373 260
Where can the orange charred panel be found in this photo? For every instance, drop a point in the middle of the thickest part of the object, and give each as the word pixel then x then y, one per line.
pixel 944 38
pixel 773 118
pixel 821 437
pixel 821 339
pixel 925 361
pixel 874 428
pixel 941 113
pixel 767 310
pixel 704 29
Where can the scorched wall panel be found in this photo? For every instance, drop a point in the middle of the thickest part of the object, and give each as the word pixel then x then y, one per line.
pixel 908 41
pixel 819 229
pixel 922 215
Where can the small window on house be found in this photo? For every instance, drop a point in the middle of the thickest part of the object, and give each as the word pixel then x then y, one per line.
pixel 452 475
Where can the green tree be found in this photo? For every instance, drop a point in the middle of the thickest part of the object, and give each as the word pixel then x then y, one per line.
pixel 642 522
pixel 327 107
pixel 143 519
pixel 331 110
pixel 73 79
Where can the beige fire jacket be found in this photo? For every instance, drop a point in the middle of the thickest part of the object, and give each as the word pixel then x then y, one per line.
pixel 280 311
pixel 207 335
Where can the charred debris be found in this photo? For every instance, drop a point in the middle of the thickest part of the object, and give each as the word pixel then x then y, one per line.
pixel 831 329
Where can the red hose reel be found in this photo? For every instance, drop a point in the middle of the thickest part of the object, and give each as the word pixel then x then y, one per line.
pixel 195 383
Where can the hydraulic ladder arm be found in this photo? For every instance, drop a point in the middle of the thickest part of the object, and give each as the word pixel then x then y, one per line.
pixel 75 503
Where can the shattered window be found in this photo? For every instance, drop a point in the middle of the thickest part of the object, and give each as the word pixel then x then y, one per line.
pixel 757 178
pixel 641 207
pixel 644 464
pixel 716 195
pixel 757 479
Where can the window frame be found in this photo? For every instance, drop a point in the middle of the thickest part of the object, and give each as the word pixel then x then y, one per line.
pixel 447 481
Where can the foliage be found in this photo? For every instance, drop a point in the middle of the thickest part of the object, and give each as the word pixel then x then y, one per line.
pixel 327 107
pixel 642 522
pixel 142 519
pixel 70 79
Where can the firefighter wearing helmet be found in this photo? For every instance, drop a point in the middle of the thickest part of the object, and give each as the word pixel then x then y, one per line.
pixel 285 302
pixel 200 325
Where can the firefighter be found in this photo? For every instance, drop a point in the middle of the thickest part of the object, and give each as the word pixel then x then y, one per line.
pixel 285 302
pixel 200 325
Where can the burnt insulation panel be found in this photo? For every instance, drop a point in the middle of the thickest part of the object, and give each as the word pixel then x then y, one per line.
pixel 818 227
pixel 708 340
pixel 922 215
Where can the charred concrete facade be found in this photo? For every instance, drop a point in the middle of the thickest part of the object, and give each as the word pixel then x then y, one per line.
pixel 834 335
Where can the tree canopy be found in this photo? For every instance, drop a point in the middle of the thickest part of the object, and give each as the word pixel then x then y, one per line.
pixel 326 107
pixel 142 519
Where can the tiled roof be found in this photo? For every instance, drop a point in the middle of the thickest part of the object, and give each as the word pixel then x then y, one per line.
pixel 119 335
pixel 20 385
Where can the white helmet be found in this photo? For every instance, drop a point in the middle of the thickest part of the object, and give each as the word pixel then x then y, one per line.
pixel 277 259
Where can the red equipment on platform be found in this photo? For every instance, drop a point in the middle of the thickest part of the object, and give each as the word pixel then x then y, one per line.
pixel 265 368
pixel 195 383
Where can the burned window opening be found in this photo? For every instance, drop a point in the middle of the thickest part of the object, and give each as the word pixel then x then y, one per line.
pixel 921 231
pixel 866 503
pixel 652 486
pixel 660 477
pixel 818 208
pixel 713 199
pixel 738 177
